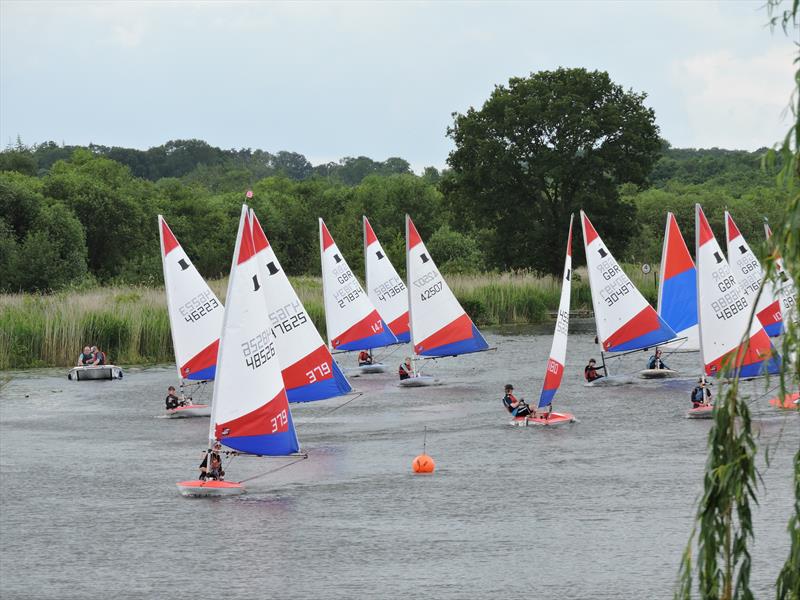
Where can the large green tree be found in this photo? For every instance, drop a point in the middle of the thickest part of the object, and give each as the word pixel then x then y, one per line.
pixel 542 147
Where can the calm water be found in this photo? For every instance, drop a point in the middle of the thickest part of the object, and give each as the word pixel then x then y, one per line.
pixel 602 509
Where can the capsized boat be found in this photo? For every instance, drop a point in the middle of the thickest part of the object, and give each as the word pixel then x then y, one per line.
pixel 677 293
pixel 352 321
pixel 195 319
pixel 723 310
pixel 748 273
pixel 309 371
pixel 250 409
pixel 554 371
pixel 438 323
pixel 94 373
pixel 625 321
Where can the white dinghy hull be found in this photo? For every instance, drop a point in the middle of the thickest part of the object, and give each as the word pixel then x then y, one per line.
pixel 190 410
pixel 92 373
pixel 210 488
pixel 370 369
pixel 611 380
pixel 657 373
pixel 419 381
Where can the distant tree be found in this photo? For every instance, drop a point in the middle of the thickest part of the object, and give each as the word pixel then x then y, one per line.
pixel 21 161
pixel 292 165
pixel 541 148
pixel 455 252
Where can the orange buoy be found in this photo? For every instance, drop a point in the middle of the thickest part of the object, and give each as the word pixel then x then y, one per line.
pixel 423 464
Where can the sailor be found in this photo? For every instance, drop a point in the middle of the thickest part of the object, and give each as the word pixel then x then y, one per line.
pixel 215 472
pixel 590 371
pixel 701 395
pixel 406 369
pixel 364 358
pixel 85 357
pixel 172 400
pixel 517 408
pixel 99 356
pixel 656 362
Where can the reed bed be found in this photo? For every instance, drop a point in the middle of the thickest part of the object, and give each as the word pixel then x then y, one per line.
pixel 131 324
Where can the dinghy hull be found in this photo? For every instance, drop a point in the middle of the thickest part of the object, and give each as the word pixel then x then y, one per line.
pixel 91 373
pixel 657 373
pixel 611 380
pixel 199 488
pixel 701 412
pixel 788 402
pixel 370 369
pixel 190 410
pixel 554 420
pixel 418 381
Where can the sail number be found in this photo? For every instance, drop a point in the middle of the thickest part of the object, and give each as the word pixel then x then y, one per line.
pixel 288 317
pixel 619 285
pixel 258 350
pixel 729 305
pixel 389 289
pixel 431 291
pixel 553 366
pixel 199 306
pixel 280 421
pixel 324 369
pixel 562 322
pixel 344 296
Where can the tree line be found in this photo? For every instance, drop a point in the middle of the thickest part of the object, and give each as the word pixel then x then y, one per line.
pixel 538 149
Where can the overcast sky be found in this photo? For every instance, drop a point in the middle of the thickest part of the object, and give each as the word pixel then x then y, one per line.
pixel 378 79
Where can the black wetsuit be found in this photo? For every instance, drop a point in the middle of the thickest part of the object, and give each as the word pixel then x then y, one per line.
pixel 590 373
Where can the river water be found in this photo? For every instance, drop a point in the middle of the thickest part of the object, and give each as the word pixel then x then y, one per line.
pixel 600 509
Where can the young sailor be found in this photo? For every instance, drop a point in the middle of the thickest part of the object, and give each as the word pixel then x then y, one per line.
pixel 406 369
pixel 172 400
pixel 655 361
pixel 701 395
pixel 215 471
pixel 86 357
pixel 364 358
pixel 517 408
pixel 590 371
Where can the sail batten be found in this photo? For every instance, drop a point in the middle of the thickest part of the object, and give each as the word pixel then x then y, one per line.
pixel 625 321
pixel 438 323
pixel 195 312
pixel 309 371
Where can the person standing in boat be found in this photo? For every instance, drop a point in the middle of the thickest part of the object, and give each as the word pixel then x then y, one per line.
pixel 406 369
pixel 701 395
pixel 656 362
pixel 364 358
pixel 99 356
pixel 517 408
pixel 590 371
pixel 86 357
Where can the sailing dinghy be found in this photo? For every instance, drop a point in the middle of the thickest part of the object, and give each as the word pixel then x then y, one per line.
pixel 677 294
pixel 625 321
pixel 250 411
pixel 352 321
pixel 195 318
pixel 558 355
pixel 724 315
pixel 747 270
pixel 309 371
pixel 439 325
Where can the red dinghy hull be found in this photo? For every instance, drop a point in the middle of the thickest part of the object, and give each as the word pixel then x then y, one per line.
pixel 701 412
pixel 210 488
pixel 789 401
pixel 554 420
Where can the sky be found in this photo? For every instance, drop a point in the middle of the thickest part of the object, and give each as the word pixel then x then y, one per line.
pixel 379 79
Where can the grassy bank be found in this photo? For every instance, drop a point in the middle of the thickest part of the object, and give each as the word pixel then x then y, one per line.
pixel 131 324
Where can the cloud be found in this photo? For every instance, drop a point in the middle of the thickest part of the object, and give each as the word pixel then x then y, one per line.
pixel 734 101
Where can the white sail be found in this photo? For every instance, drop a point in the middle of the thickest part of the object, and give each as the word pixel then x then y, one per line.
pixel 439 324
pixel 309 371
pixel 384 287
pixel 625 321
pixel 788 292
pixel 353 323
pixel 250 411
pixel 195 312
